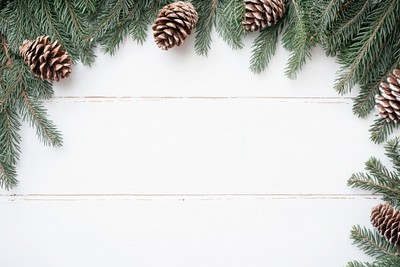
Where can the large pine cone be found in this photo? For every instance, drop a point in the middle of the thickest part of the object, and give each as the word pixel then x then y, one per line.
pixel 173 24
pixel 263 13
pixel 388 101
pixel 387 222
pixel 47 60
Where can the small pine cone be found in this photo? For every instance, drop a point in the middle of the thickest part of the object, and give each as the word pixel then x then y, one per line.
pixel 47 60
pixel 388 101
pixel 263 13
pixel 173 24
pixel 387 222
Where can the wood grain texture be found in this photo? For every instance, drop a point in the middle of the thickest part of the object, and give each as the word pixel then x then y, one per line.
pixel 171 159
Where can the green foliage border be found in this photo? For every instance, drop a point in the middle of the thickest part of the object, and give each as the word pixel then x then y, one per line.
pixel 364 35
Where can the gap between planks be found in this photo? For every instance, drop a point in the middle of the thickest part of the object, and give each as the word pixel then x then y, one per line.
pixel 183 197
pixel 319 100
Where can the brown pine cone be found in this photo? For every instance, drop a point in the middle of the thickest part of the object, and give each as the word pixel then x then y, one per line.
pixel 386 220
pixel 47 60
pixel 388 101
pixel 173 24
pixel 263 13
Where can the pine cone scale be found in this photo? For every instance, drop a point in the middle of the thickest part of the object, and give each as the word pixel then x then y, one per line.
pixel 174 23
pixel 262 13
pixel 47 60
pixel 386 220
pixel 388 101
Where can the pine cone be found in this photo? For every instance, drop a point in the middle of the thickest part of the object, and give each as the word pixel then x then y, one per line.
pixel 263 13
pixel 47 60
pixel 387 222
pixel 388 101
pixel 173 24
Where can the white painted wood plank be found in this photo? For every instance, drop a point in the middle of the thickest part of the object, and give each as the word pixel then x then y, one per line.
pixel 148 71
pixel 189 232
pixel 197 146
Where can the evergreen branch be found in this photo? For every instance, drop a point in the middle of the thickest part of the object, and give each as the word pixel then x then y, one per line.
pixel 8 175
pixel 330 11
pixel 359 264
pixel 88 6
pixel 381 129
pixel 206 10
pixel 107 19
pixel 75 23
pixel 380 172
pixel 4 44
pixel 347 26
pixel 9 137
pixel 372 243
pixel 22 23
pixel 264 48
pixel 296 39
pixel 11 85
pixel 138 29
pixel 392 148
pixel 370 40
pixel 33 112
pixel 388 261
pixel 365 101
pixel 230 15
pixel 366 182
pixel 381 65
pixel 379 179
pixel 133 19
pixel 113 37
pixel 52 24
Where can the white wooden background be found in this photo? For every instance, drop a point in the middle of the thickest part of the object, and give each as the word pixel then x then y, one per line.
pixel 171 159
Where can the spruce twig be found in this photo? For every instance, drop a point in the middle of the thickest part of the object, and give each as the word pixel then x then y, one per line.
pixel 206 10
pixel 35 114
pixel 372 243
pixel 264 48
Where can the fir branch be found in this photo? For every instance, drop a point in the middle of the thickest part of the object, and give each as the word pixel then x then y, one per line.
pixel 87 6
pixel 230 15
pixel 379 179
pixel 106 19
pixel 390 191
pixel 206 10
pixel 380 172
pixel 73 17
pixel 50 26
pixel 133 19
pixel 366 46
pixel 297 38
pixel 365 101
pixel 338 34
pixel 9 137
pixel 113 37
pixel 8 175
pixel 329 10
pixel 372 243
pixel 359 264
pixel 388 261
pixel 264 48
pixel 22 23
pixel 35 114
pixel 392 151
pixel 383 64
pixel 381 129
pixel 11 85
pixel 138 29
